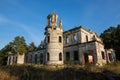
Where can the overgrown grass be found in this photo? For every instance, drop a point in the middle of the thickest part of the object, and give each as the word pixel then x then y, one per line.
pixel 66 72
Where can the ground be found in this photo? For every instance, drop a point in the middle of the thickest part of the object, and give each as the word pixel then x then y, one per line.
pixel 66 72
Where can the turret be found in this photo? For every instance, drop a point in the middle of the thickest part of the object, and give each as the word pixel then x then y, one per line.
pixel 54 40
pixel 52 20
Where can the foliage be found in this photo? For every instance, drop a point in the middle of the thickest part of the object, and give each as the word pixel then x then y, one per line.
pixel 111 39
pixel 108 37
pixel 31 47
pixel 18 46
pixel 3 58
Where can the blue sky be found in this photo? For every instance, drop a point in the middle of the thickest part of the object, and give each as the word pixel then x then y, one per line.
pixel 28 17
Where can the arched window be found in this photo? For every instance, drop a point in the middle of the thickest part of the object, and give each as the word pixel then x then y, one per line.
pixel 48 57
pixel 74 37
pixel 94 38
pixel 35 58
pixel 41 58
pixel 60 56
pixel 67 40
pixel 48 39
pixel 103 55
pixel 86 38
pixel 60 39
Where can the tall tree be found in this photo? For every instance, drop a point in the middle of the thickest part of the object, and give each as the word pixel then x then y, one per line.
pixel 111 39
pixel 2 57
pixel 19 45
pixel 4 53
pixel 108 36
pixel 31 47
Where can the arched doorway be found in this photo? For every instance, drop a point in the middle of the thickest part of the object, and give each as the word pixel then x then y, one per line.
pixel 88 57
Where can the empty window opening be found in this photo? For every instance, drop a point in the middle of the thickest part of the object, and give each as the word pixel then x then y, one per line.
pixel 74 37
pixel 67 56
pixel 103 55
pixel 76 56
pixel 60 56
pixel 86 38
pixel 41 58
pixel 48 39
pixel 67 40
pixel 48 57
pixel 35 58
pixel 31 59
pixel 110 56
pixel 60 39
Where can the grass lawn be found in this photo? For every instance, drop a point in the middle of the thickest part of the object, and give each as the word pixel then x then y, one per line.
pixel 66 72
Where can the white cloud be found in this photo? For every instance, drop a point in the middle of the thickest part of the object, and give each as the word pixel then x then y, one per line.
pixel 33 33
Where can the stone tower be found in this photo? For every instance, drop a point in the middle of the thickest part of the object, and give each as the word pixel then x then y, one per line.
pixel 54 40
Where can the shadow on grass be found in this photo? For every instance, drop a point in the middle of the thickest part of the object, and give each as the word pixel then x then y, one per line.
pixel 29 72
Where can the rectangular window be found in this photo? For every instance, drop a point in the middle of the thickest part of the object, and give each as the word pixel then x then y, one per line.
pixel 110 56
pixel 76 56
pixel 67 56
pixel 103 55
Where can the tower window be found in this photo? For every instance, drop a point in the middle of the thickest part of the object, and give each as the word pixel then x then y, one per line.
pixel 48 57
pixel 103 55
pixel 60 56
pixel 48 39
pixel 60 39
pixel 54 28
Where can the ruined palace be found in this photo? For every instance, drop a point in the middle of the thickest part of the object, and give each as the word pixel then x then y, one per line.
pixel 77 45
